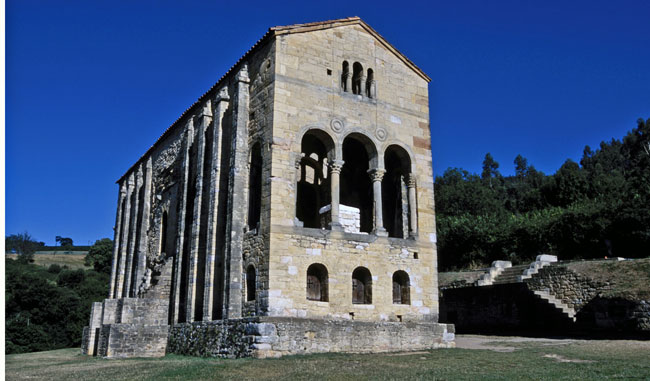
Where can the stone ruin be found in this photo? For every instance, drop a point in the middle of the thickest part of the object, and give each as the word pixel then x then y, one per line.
pixel 289 210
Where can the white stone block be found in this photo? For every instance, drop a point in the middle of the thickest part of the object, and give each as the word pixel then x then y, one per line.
pixel 501 264
pixel 546 258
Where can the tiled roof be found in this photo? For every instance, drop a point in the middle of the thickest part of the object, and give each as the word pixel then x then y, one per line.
pixel 272 32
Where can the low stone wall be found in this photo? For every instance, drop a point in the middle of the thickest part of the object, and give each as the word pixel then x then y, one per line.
pixel 573 289
pixel 512 307
pixel 85 340
pixel 129 340
pixel 498 308
pixel 220 338
pixel 272 337
pixel 616 314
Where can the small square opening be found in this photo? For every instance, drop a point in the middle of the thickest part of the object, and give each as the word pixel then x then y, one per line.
pixel 329 71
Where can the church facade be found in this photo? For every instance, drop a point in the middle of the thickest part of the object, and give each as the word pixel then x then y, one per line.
pixel 289 210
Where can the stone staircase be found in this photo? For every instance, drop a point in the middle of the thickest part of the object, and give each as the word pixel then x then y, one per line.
pixel 519 273
pixel 510 275
pixel 567 311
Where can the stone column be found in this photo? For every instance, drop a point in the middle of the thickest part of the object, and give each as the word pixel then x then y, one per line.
pixel 348 82
pixel 373 89
pixel 335 172
pixel 145 204
pixel 362 86
pixel 125 237
pixel 237 203
pixel 195 245
pixel 116 241
pixel 133 228
pixel 189 135
pixel 221 104
pixel 413 206
pixel 376 174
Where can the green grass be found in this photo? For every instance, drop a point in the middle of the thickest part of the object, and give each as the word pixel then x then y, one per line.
pixel 73 261
pixel 531 361
pixel 448 278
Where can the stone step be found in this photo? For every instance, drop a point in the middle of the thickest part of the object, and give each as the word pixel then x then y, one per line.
pixel 510 275
pixel 558 304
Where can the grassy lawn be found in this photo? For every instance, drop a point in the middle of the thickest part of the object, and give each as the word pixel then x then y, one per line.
pixel 576 360
pixel 73 261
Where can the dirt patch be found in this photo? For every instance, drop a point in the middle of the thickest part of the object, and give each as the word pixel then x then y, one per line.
pixel 559 358
pixel 409 353
pixel 500 344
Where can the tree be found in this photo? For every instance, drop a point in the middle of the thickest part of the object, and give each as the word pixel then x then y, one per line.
pixel 521 165
pixel 100 255
pixel 490 169
pixel 66 242
pixel 23 244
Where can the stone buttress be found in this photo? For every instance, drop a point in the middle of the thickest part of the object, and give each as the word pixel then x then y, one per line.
pixel 289 210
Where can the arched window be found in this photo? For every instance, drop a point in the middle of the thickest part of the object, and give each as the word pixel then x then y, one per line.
pixel 345 73
pixel 395 198
pixel 361 286
pixel 357 73
pixel 317 282
pixel 255 188
pixel 314 189
pixel 251 282
pixel 370 84
pixel 356 185
pixel 401 288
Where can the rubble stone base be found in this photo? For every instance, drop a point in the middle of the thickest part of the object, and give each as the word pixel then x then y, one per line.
pixel 274 337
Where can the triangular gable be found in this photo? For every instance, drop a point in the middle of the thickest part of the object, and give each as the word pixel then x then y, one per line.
pixel 309 27
pixel 269 35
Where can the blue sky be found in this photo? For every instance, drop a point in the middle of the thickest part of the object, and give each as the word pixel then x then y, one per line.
pixel 90 85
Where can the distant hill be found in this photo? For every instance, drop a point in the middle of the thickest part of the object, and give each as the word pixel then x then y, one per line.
pixel 64 248
pixel 72 259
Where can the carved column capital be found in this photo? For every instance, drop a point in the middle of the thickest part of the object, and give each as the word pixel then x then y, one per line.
pixel 336 166
pixel 376 174
pixel 222 95
pixel 242 75
pixel 206 110
pixel 410 180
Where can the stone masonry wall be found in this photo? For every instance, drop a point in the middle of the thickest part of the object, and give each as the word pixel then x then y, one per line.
pixel 617 314
pixel 130 340
pixel 498 308
pixel 272 337
pixel 308 96
pixel 573 289
pixel 341 253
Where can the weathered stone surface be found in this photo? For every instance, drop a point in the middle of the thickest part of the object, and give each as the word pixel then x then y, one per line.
pixel 272 337
pixel 219 220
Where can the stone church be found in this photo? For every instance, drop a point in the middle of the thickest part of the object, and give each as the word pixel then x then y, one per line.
pixel 288 210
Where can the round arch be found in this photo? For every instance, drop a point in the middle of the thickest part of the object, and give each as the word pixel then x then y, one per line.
pixel 409 152
pixel 368 143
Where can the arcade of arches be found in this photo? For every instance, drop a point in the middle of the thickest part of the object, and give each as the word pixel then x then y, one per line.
pixel 383 192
